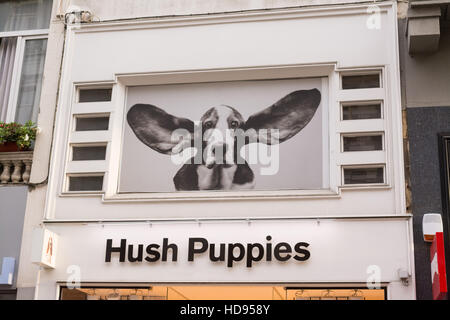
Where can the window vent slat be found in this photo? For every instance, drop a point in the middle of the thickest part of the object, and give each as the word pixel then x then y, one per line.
pixel 365 81
pixel 363 176
pixel 86 183
pixel 92 124
pixel 88 153
pixel 363 143
pixel 361 111
pixel 95 95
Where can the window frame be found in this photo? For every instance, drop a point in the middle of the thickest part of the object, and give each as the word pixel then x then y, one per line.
pixel 365 184
pixel 115 108
pixel 362 103
pixel 363 134
pixel 338 159
pixel 368 72
pixel 363 127
pixel 22 37
pixel 85 175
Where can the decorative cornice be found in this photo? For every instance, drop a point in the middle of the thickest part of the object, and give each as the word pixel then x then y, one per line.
pixel 12 156
pixel 222 18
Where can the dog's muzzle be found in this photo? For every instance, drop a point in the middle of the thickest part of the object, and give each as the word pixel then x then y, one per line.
pixel 219 154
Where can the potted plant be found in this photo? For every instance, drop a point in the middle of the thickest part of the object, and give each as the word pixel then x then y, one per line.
pixel 17 137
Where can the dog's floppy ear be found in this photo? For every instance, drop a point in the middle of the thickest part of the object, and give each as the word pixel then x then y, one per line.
pixel 155 127
pixel 289 116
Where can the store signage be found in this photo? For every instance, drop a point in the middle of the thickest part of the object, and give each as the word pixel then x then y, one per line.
pixel 438 273
pixel 44 248
pixel 227 253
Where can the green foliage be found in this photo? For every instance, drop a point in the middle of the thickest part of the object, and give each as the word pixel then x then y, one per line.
pixel 22 134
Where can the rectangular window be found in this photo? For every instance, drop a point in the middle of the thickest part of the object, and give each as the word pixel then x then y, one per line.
pixel 92 124
pixel 23 43
pixel 21 15
pixel 361 111
pixel 8 47
pixel 95 95
pixel 364 81
pixel 31 80
pixel 85 183
pixel 88 153
pixel 363 143
pixel 363 175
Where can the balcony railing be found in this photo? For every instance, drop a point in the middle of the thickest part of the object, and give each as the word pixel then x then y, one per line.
pixel 15 167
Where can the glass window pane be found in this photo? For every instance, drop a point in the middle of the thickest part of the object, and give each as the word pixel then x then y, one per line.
pixel 92 124
pixel 364 111
pixel 361 81
pixel 95 95
pixel 363 143
pixel 93 183
pixel 21 15
pixel 31 80
pixel 89 153
pixel 363 175
pixel 8 48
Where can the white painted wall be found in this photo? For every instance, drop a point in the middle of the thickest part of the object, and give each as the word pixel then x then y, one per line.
pixel 102 53
pixel 12 212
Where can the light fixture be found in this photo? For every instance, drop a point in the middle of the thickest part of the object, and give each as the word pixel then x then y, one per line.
pixel 431 223
pixel 404 275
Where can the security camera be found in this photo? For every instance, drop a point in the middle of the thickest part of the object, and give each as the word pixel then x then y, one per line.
pixel 404 276
pixel 75 14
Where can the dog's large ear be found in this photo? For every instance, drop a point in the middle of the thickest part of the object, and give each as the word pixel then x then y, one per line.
pixel 155 127
pixel 289 116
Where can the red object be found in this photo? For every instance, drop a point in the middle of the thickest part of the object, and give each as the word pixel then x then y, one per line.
pixel 9 147
pixel 438 274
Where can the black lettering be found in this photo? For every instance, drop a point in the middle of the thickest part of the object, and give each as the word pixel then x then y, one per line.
pixel 280 249
pixel 139 255
pixel 110 249
pixel 231 256
pixel 306 254
pixel 250 257
pixel 153 253
pixel 192 250
pixel 269 249
pixel 212 250
pixel 165 249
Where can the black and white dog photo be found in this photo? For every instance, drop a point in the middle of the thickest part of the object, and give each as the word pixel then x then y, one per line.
pixel 221 128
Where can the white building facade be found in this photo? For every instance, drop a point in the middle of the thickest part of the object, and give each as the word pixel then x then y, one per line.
pixel 332 217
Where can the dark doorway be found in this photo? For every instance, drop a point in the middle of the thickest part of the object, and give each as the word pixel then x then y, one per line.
pixel 444 155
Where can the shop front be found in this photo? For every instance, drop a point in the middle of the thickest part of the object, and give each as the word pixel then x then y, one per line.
pixel 281 260
pixel 216 292
pixel 228 156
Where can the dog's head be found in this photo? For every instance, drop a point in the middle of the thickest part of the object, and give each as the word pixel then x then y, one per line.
pixel 221 127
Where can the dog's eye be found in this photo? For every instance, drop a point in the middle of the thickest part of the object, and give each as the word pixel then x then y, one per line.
pixel 234 124
pixel 208 124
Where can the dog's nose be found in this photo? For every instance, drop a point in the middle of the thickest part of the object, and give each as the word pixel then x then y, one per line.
pixel 220 149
